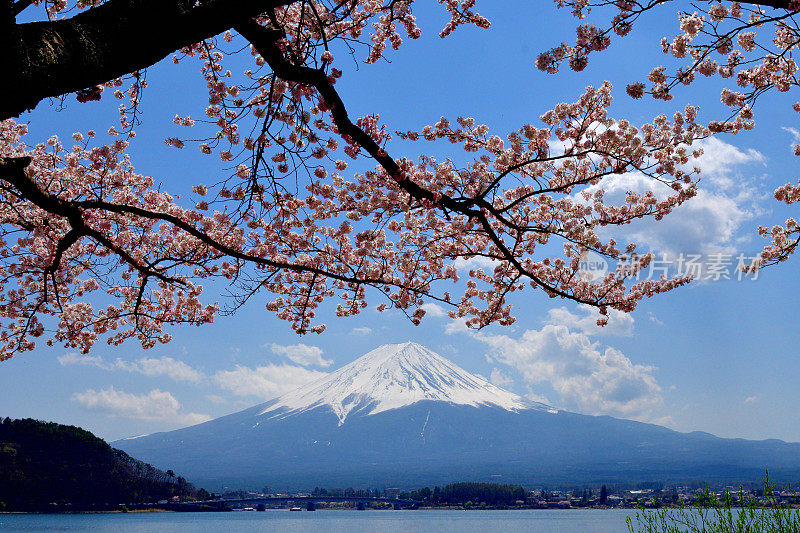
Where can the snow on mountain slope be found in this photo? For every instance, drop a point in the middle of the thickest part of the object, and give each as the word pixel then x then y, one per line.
pixel 394 376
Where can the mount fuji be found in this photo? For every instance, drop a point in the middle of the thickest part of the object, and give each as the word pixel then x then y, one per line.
pixel 402 415
pixel 395 376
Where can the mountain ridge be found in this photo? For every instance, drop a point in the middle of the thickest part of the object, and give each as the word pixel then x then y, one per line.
pixel 394 376
pixel 46 466
pixel 439 424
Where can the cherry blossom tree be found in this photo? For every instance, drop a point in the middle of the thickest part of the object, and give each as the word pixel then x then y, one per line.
pixel 748 46
pixel 90 249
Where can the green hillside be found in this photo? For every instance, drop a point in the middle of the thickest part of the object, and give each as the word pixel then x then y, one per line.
pixel 48 466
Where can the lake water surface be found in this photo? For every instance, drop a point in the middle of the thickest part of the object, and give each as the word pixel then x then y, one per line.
pixel 330 521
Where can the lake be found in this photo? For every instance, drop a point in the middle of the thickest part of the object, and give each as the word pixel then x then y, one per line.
pixel 330 521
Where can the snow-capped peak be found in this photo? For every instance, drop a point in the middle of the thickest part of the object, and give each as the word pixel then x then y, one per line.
pixel 393 376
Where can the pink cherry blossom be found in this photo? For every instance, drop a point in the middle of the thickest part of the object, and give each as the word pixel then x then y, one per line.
pixel 91 250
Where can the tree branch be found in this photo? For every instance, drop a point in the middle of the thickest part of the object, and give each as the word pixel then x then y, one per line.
pixel 770 3
pixel 51 58
pixel 265 41
pixel 107 41
pixel 12 171
pixel 21 5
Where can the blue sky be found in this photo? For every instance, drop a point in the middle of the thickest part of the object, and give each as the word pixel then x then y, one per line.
pixel 714 356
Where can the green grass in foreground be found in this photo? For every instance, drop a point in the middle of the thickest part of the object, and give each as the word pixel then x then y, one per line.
pixel 710 515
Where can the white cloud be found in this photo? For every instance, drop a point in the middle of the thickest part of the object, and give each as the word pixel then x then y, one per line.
pixel 448 348
pixel 795 136
pixel 432 309
pixel 167 366
pixel 667 421
pixel 74 358
pixel 465 265
pixel 215 398
pixel 793 132
pixel 587 378
pixel 500 378
pixel 751 399
pixel 719 159
pixel 156 405
pixel 458 325
pixel 537 398
pixel 711 221
pixel 619 324
pixel 265 382
pixel 361 331
pixel 706 224
pixel 149 366
pixel 302 354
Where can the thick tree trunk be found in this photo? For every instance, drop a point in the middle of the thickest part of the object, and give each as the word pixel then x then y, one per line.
pixel 105 42
pixel 47 59
pixel 770 3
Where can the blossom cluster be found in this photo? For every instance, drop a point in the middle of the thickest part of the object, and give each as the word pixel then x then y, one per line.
pixel 103 252
pixel 52 264
pixel 749 47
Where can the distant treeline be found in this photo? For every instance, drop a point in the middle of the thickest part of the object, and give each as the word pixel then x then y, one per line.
pixel 461 493
pixel 49 466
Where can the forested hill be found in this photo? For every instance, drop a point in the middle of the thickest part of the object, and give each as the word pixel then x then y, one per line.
pixel 49 466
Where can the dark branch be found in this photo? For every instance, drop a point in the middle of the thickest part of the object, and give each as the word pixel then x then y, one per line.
pixel 21 6
pixel 12 171
pixel 265 41
pixel 109 41
pixel 771 3
pixel 51 58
